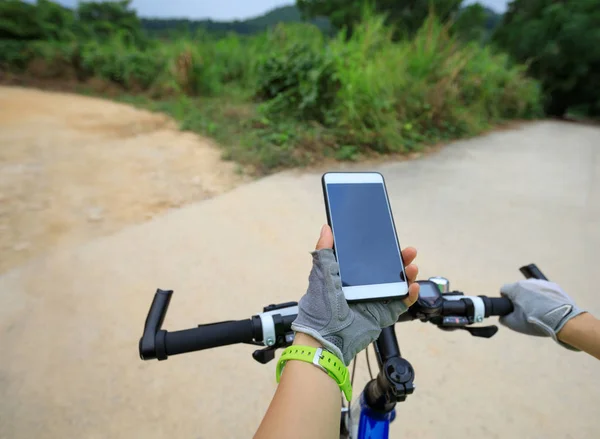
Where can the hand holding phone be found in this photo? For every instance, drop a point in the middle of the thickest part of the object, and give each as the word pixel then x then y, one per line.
pixel 341 327
pixel 365 240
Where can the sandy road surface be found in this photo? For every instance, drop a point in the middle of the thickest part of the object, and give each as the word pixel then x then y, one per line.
pixel 70 321
pixel 73 168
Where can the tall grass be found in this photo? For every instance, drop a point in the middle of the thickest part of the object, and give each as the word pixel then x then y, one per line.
pixel 289 96
pixel 391 97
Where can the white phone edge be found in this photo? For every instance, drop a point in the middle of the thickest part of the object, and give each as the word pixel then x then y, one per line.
pixel 353 177
pixel 375 291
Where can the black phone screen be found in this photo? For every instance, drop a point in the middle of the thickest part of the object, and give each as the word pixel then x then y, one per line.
pixel 365 241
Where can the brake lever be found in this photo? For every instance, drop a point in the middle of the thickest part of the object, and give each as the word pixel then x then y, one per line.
pixel 481 331
pixel 452 323
pixel 263 356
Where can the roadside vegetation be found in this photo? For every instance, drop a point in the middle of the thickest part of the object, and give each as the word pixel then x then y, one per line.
pixel 293 93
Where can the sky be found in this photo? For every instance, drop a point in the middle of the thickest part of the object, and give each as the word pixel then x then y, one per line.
pixel 228 9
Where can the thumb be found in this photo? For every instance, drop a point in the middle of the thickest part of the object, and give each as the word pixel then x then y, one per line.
pixel 326 238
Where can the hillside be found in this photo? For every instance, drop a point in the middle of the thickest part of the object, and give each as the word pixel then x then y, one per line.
pixel 284 14
pixel 492 20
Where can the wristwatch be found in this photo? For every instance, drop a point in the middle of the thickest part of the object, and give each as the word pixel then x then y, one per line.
pixel 321 358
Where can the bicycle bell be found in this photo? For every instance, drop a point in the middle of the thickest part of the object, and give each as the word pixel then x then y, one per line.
pixel 442 283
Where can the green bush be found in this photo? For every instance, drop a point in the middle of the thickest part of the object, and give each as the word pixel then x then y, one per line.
pixel 378 95
pixel 392 97
pixel 298 82
pixel 15 54
pixel 120 64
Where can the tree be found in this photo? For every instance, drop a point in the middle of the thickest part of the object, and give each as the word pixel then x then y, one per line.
pixel 341 13
pixel 102 19
pixel 47 20
pixel 406 16
pixel 471 23
pixel 560 41
pixel 56 21
pixel 18 21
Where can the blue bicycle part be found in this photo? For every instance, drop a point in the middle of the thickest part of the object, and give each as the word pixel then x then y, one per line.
pixel 373 424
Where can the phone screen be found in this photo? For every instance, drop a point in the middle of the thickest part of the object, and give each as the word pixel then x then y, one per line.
pixel 365 241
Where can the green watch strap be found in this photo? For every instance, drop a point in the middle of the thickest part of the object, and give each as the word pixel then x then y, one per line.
pixel 324 360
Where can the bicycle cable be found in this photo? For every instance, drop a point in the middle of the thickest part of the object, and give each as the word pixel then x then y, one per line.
pixel 368 363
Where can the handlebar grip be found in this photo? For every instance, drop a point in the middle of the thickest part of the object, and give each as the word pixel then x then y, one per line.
pixel 153 324
pixel 531 271
pixel 454 308
pixel 498 306
pixel 494 306
pixel 209 336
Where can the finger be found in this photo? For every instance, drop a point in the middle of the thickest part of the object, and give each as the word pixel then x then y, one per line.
pixel 413 294
pixel 408 255
pixel 412 271
pixel 509 289
pixel 326 238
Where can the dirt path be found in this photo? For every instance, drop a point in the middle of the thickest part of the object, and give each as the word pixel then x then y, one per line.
pixel 73 168
pixel 70 320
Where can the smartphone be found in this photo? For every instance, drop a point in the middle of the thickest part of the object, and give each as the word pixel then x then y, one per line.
pixel 365 240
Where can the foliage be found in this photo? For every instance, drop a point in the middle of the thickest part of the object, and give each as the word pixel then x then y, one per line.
pixel 100 20
pixel 560 42
pixel 394 97
pixel 471 23
pixel 299 82
pixel 23 21
pixel 405 16
pixel 14 54
pixel 287 96
pixel 47 20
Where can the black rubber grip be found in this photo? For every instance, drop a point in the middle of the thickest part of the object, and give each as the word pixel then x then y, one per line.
pixel 209 336
pixel 456 308
pixel 154 321
pixel 532 271
pixel 498 306
pixel 494 306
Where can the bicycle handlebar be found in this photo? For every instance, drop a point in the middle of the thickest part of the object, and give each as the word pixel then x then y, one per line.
pixel 272 328
pixel 250 330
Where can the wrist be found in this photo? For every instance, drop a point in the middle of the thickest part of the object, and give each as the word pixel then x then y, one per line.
pixel 302 339
pixel 309 337
pixel 570 331
pixel 327 364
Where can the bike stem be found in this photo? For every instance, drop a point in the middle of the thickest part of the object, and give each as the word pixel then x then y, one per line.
pixel 395 379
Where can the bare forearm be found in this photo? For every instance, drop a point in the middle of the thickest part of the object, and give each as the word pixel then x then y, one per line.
pixel 306 404
pixel 582 332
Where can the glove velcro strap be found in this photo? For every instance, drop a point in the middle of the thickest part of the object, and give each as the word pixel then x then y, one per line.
pixel 324 360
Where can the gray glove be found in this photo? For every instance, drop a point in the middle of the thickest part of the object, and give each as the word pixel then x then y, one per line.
pixel 541 308
pixel 323 313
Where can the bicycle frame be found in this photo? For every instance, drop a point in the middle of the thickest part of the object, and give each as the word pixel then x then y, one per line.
pixel 365 423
